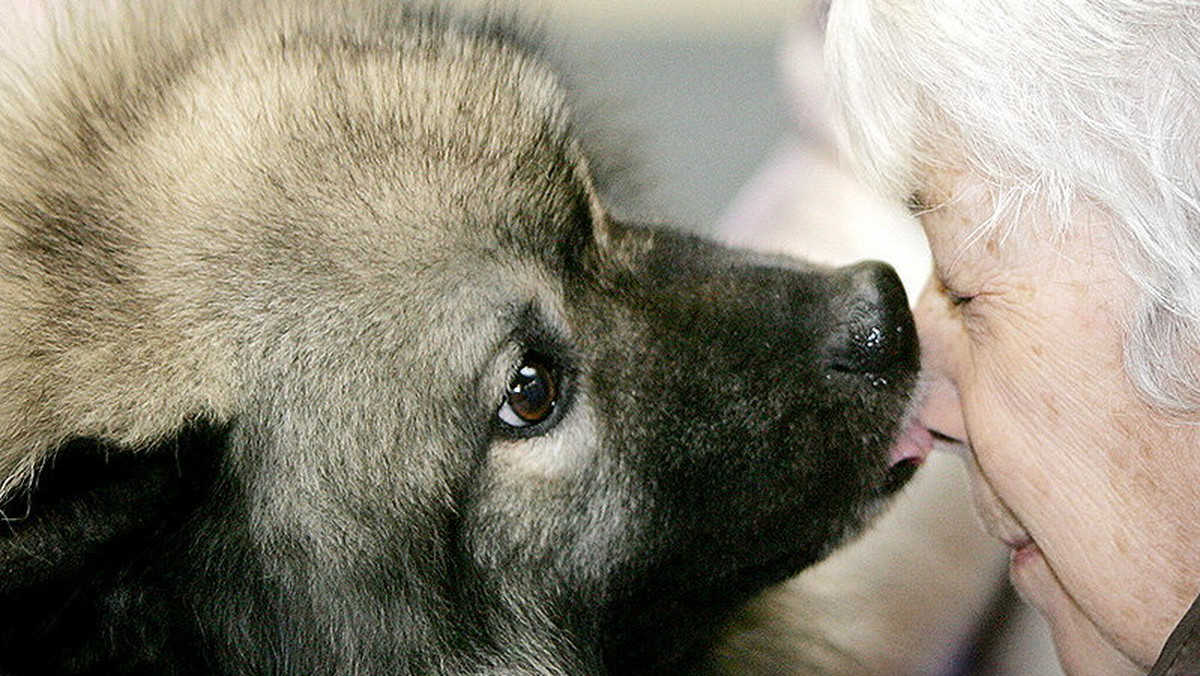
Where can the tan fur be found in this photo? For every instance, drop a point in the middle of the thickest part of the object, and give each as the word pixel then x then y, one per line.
pixel 120 338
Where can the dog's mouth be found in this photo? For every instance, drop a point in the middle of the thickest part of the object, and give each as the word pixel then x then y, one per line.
pixel 907 454
pixel 913 445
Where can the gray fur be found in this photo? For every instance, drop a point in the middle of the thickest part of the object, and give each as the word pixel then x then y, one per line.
pixel 301 248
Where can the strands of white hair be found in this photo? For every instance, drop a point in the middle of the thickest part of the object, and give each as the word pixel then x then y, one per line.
pixel 1051 103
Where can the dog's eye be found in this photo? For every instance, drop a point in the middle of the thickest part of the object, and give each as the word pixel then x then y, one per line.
pixel 532 394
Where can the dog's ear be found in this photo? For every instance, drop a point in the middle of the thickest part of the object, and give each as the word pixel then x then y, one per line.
pixel 87 510
pixel 101 334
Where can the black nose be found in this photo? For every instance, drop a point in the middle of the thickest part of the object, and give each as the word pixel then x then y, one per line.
pixel 875 332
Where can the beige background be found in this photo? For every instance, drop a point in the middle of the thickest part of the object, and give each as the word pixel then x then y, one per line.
pixel 678 17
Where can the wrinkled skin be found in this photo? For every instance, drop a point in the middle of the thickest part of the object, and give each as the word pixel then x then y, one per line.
pixel 1024 341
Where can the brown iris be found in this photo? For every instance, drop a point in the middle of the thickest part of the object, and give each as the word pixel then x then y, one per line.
pixel 531 395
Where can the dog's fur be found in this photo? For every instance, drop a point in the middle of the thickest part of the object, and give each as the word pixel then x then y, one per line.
pixel 266 270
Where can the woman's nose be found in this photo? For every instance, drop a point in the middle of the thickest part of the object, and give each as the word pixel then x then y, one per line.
pixel 942 355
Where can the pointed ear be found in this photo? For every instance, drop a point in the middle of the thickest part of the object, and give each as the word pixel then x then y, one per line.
pixel 597 214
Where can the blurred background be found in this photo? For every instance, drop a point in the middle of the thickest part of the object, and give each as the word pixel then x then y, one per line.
pixel 691 82
pixel 718 103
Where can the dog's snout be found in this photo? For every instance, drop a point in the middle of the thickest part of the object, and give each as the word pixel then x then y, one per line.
pixel 875 330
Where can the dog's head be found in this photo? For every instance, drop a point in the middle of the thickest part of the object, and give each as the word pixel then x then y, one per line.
pixel 429 405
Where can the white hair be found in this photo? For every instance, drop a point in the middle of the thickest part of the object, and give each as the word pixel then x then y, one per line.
pixel 1053 102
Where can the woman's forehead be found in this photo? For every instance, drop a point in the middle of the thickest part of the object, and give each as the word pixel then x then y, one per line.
pixel 957 229
pixel 974 227
pixel 954 205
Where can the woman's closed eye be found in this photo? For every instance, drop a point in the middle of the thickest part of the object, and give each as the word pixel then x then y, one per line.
pixel 955 297
pixel 958 299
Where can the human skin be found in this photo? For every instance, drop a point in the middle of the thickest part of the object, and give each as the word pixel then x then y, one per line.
pixel 1096 492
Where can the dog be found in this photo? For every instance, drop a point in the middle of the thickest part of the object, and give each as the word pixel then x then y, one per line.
pixel 321 353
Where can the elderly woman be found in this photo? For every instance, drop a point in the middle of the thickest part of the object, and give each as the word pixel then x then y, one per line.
pixel 1052 152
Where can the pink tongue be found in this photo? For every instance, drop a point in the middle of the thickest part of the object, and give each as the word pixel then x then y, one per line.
pixel 914 444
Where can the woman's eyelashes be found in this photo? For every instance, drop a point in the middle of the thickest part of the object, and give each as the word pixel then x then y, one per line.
pixel 958 299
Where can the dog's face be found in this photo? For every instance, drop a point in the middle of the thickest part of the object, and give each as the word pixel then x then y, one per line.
pixel 464 419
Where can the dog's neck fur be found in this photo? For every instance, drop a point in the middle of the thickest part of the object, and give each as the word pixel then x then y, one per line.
pixel 139 546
